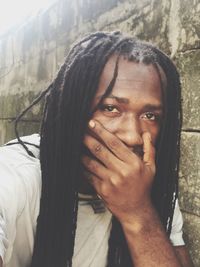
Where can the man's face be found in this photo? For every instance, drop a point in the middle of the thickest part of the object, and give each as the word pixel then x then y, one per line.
pixel 134 105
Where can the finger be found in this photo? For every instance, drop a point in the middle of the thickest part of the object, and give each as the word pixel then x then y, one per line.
pixel 96 168
pixel 95 182
pixel 101 152
pixel 111 141
pixel 101 187
pixel 149 150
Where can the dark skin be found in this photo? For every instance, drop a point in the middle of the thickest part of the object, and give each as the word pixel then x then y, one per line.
pixel 121 138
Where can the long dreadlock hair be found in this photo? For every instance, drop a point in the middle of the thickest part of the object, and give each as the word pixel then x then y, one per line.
pixel 67 111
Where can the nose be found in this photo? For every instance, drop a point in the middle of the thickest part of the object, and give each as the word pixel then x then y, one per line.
pixel 130 132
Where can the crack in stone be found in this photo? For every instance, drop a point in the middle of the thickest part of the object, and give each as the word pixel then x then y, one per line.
pixel 193 49
pixel 189 130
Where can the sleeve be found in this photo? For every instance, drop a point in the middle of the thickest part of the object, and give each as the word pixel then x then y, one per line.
pixel 10 207
pixel 176 235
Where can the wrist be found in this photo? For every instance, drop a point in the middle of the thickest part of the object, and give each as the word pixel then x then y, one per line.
pixel 141 220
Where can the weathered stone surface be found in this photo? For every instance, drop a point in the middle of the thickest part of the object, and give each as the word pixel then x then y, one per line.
pixel 139 18
pixel 88 10
pixel 188 64
pixel 162 22
pixel 32 75
pixel 12 105
pixel 189 27
pixel 189 182
pixel 143 19
pixel 26 55
pixel 191 236
pixel 189 196
pixel 7 132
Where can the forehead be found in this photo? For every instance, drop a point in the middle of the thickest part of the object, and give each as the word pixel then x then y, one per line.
pixel 132 78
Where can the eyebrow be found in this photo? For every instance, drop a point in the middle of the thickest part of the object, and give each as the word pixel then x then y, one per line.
pixel 124 100
pixel 118 99
pixel 153 107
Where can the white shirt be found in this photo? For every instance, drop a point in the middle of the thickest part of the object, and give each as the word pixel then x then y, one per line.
pixel 20 189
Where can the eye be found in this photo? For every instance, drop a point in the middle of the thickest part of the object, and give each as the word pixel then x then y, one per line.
pixel 109 108
pixel 151 116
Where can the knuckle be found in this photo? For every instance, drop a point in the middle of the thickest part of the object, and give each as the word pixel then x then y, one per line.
pixel 93 165
pixel 126 172
pixel 116 181
pixel 105 191
pixel 98 129
pixel 113 143
pixel 90 164
pixel 97 148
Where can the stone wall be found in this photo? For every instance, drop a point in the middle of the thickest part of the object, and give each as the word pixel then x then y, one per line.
pixel 30 57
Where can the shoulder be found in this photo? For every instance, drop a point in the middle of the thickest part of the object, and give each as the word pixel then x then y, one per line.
pixel 13 148
pixel 19 173
pixel 20 187
pixel 15 161
pixel 14 155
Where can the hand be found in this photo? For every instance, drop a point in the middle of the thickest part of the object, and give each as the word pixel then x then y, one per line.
pixel 120 177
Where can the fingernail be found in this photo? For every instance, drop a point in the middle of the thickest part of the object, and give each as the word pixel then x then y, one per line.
pixel 92 124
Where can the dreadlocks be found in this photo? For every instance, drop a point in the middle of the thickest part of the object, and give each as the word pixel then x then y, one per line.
pixel 66 114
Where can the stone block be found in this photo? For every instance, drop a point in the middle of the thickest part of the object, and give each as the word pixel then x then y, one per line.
pixel 189 182
pixel 91 9
pixel 191 231
pixel 189 67
pixel 189 24
pixel 7 132
pixel 143 19
pixel 12 105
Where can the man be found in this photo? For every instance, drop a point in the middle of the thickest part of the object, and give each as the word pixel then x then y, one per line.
pixel 109 153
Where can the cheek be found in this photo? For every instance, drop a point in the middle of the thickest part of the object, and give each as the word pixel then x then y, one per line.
pixel 110 124
pixel 154 136
pixel 153 130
